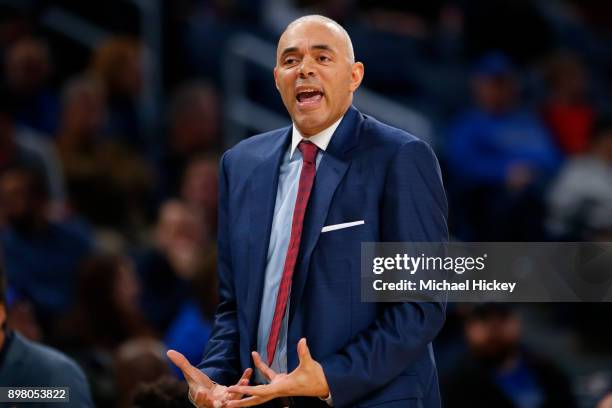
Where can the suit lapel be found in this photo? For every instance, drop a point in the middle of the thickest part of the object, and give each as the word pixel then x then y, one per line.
pixel 261 201
pixel 330 173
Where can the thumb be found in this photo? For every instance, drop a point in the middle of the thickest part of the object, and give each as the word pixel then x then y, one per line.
pixel 191 374
pixel 178 359
pixel 303 351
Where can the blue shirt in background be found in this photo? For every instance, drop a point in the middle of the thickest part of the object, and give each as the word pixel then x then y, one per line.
pixel 482 147
pixel 188 333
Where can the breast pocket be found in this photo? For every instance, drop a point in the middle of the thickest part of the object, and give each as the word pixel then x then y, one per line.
pixel 348 224
pixel 342 225
pixel 343 240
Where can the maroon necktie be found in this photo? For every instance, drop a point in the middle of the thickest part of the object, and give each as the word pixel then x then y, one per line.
pixel 307 175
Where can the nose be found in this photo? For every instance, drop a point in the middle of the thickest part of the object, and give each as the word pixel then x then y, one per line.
pixel 306 68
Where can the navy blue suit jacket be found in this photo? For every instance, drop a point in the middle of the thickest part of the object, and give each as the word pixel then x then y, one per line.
pixel 372 353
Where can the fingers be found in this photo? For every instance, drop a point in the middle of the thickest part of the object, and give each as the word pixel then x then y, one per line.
pixel 303 351
pixel 255 390
pixel 192 375
pixel 236 395
pixel 263 367
pixel 203 398
pixel 178 359
pixel 246 376
pixel 246 402
pixel 244 380
pixel 257 394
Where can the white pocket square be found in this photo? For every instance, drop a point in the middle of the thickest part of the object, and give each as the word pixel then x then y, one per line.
pixel 334 227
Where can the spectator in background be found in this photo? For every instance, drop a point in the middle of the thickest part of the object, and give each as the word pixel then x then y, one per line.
pixel 22 318
pixel 195 128
pixel 41 256
pixel 117 63
pixel 107 183
pixel 167 392
pixel 21 315
pixel 105 315
pixel 24 363
pixel 580 200
pixel 190 330
pixel 499 372
pixel 500 158
pixel 567 112
pixel 181 252
pixel 22 146
pixel 27 70
pixel 107 288
pixel 138 362
pixel 200 189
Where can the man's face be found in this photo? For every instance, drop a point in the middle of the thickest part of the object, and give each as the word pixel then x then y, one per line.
pixel 495 94
pixel 15 198
pixel 495 338
pixel 315 75
pixel 20 206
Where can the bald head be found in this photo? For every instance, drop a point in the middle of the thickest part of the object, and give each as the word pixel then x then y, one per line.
pixel 330 25
pixel 316 73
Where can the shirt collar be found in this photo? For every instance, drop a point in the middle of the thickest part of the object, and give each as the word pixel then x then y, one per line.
pixel 321 139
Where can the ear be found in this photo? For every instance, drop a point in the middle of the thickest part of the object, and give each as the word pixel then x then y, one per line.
pixel 2 315
pixel 357 72
pixel 275 72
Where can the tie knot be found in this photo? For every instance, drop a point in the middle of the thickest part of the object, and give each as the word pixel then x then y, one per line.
pixel 309 151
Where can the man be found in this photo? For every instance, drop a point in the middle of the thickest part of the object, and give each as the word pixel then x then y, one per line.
pixel 295 205
pixel 27 364
pixel 580 199
pixel 501 158
pixel 41 255
pixel 498 371
pixel 20 145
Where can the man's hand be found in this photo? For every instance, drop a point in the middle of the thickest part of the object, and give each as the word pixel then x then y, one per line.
pixel 203 392
pixel 307 380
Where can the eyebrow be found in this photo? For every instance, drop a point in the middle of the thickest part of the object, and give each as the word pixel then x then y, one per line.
pixel 323 47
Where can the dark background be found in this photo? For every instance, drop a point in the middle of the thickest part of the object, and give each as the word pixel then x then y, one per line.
pixel 113 116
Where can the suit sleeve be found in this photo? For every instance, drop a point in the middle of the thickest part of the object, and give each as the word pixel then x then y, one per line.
pixel 413 209
pixel 221 356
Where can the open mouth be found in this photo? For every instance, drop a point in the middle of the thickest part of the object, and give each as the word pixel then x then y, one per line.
pixel 309 98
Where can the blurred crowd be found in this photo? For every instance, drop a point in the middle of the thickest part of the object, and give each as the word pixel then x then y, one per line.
pixel 108 215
